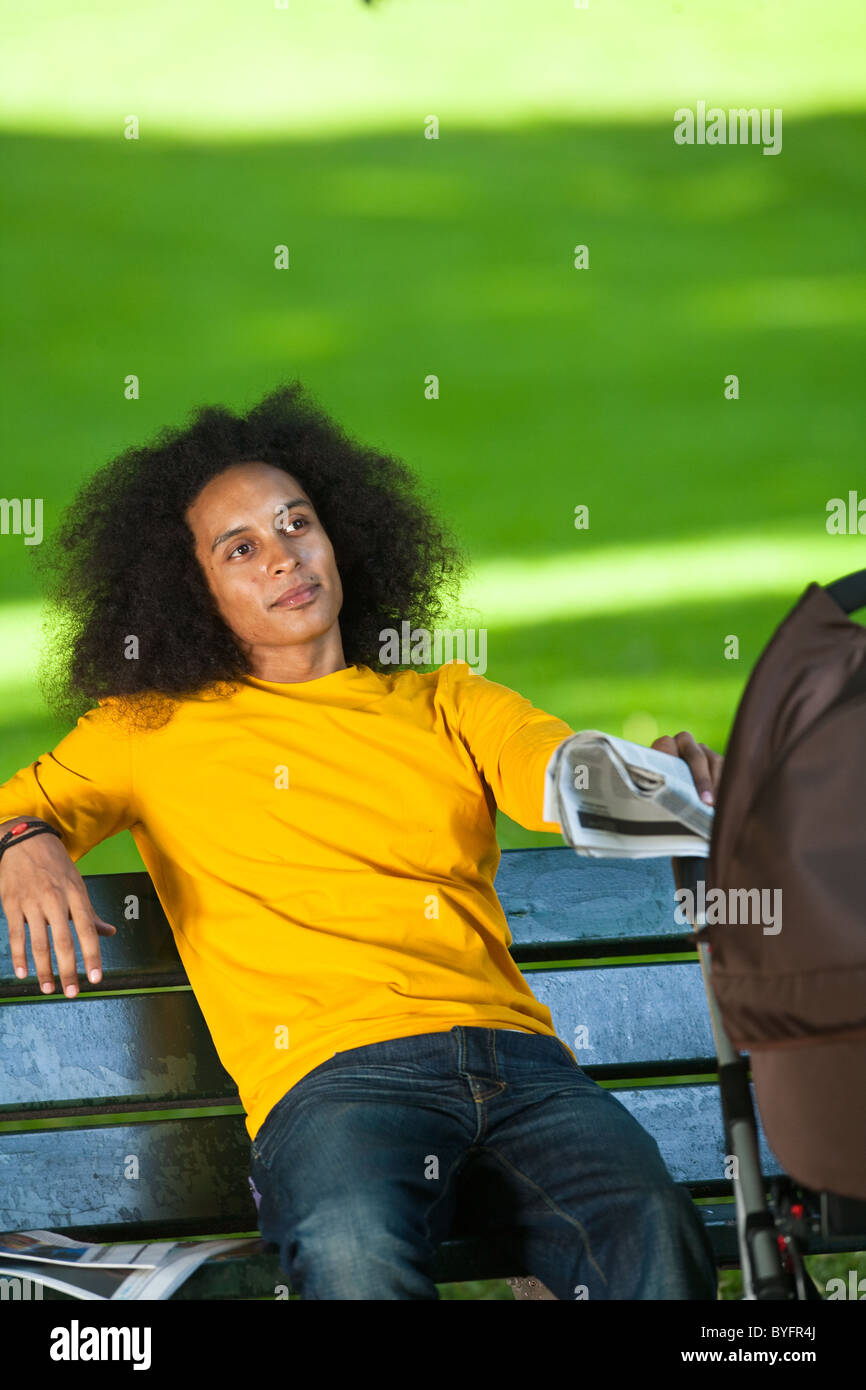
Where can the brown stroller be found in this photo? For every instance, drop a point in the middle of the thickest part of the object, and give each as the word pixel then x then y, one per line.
pixel 791 820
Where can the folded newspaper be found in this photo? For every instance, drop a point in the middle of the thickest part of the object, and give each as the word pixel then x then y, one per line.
pixel 150 1271
pixel 619 800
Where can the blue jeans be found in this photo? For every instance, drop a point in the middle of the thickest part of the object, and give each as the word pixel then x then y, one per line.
pixel 362 1165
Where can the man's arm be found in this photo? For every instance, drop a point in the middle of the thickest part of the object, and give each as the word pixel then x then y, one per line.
pixel 84 789
pixel 511 742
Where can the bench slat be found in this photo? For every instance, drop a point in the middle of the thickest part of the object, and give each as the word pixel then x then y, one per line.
pixel 553 895
pixel 258 1275
pixel 552 898
pixel 149 1048
pixel 134 1049
pixel 193 1172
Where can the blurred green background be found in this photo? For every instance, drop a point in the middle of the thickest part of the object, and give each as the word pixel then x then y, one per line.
pixel 454 256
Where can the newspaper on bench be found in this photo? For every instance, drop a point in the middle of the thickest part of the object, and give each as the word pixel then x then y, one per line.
pixel 615 799
pixel 150 1271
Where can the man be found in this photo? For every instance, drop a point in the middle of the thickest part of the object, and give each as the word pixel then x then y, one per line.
pixel 321 835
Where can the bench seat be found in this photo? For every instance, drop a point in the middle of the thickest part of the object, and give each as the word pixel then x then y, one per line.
pixel 111 1073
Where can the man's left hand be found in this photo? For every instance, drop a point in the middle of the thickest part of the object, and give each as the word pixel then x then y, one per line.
pixel 704 764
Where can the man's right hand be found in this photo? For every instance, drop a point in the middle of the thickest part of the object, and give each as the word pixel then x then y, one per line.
pixel 40 885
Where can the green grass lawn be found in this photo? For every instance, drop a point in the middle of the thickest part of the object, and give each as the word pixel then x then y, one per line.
pixel 557 387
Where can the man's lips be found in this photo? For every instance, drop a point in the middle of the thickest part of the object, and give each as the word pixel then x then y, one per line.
pixel 294 598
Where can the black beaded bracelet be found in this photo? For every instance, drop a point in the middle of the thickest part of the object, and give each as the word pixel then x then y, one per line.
pixel 25 829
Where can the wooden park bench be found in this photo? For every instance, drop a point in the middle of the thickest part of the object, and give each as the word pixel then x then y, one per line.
pixel 128 1067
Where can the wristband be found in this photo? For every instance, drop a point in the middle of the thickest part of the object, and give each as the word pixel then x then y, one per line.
pixel 25 830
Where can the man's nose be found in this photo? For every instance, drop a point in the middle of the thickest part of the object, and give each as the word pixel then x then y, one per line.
pixel 280 552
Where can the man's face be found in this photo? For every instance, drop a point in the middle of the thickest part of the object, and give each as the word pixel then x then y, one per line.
pixel 257 535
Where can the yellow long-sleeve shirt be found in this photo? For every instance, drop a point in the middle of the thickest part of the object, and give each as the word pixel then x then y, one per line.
pixel 324 852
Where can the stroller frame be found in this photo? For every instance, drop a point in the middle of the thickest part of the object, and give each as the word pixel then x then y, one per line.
pixel 771 1250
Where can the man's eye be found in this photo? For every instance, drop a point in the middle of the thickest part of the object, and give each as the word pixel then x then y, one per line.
pixel 285 531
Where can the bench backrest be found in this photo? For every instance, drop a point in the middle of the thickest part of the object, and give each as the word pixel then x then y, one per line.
pixel 154 1142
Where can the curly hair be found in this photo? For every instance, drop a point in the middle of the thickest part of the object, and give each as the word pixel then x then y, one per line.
pixel 122 559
